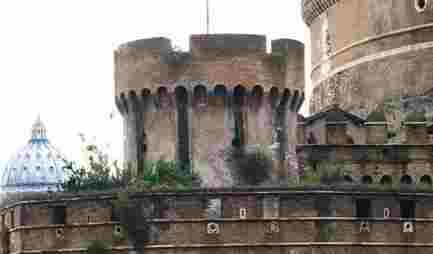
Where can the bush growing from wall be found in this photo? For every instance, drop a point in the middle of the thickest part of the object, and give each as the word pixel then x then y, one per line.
pixel 97 247
pixel 327 173
pixel 250 166
pixel 101 174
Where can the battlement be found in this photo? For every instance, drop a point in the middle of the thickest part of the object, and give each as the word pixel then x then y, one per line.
pixel 215 59
pixel 217 45
pixel 158 45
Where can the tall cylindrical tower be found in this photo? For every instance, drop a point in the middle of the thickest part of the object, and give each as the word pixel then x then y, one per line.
pixel 188 106
pixel 363 51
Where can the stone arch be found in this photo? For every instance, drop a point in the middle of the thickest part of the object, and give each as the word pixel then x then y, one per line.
pixel 274 94
pixel 200 98
pixel 183 126
pixel 285 99
pixel 163 99
pixel 219 95
pixel 256 98
pixel 123 102
pixel 406 179
pixel 119 105
pixel 295 101
pixel 239 95
pixel 386 180
pixel 239 115
pixel 426 180
pixel 366 179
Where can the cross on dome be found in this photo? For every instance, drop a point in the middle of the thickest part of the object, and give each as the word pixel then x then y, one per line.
pixel 39 132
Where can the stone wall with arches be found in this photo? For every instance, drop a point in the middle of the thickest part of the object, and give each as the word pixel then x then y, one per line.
pixel 194 124
pixel 191 106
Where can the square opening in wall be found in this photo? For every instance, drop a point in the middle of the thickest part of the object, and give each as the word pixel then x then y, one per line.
pixel 58 215
pixel 407 209
pixel 363 208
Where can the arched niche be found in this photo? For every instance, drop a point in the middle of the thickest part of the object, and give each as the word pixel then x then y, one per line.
pixel 273 97
pixel 163 99
pixel 219 96
pixel 256 98
pixel 426 180
pixel 200 98
pixel 406 179
pixel 386 180
pixel 183 126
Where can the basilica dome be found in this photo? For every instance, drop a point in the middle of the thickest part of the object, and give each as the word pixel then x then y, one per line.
pixel 38 166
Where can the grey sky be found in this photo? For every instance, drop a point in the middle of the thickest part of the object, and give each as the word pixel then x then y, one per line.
pixel 57 57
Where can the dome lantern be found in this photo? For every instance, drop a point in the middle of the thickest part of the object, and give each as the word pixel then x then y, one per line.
pixel 38 166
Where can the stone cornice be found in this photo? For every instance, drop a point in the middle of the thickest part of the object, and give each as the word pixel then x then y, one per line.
pixel 311 9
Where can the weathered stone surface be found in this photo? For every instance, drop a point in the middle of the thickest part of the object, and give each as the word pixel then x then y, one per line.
pixel 362 52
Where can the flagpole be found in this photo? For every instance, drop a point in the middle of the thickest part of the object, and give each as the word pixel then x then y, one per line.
pixel 207 16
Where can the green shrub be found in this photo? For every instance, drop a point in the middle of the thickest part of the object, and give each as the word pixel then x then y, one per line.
pixel 250 166
pixel 327 173
pixel 376 116
pixel 416 117
pixel 97 247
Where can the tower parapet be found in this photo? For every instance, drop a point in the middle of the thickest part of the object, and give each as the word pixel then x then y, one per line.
pixel 190 106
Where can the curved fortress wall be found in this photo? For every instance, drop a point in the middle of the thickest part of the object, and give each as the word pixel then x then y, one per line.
pixel 363 51
pixel 188 106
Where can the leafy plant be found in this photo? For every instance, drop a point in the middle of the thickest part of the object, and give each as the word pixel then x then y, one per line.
pixel 250 166
pixel 102 174
pixel 163 175
pixel 327 173
pixel 97 247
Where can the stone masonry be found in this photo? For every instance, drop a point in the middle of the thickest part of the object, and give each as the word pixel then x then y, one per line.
pixel 365 51
pixel 188 106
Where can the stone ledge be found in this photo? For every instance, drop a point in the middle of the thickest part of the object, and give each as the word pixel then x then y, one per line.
pixel 229 220
pixel 240 245
pixel 253 191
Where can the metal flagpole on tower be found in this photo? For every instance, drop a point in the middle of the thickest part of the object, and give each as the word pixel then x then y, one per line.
pixel 207 16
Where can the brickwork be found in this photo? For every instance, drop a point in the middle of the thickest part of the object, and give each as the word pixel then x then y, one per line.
pixel 188 106
pixel 297 223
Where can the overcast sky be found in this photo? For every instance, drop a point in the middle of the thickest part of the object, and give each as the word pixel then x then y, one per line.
pixel 56 57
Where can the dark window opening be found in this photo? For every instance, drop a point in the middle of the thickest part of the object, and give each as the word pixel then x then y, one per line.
pixel 12 218
pixel 58 216
pixel 256 97
pixel 363 208
pixel 200 96
pixel 386 180
pixel 183 142
pixel 426 180
pixel 239 130
pixel 367 180
pixel 407 209
pixel 406 179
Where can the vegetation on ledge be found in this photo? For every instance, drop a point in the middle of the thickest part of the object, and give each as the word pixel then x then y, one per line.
pixel 101 175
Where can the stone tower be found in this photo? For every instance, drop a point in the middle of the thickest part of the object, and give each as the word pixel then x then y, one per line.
pixel 363 51
pixel 189 106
